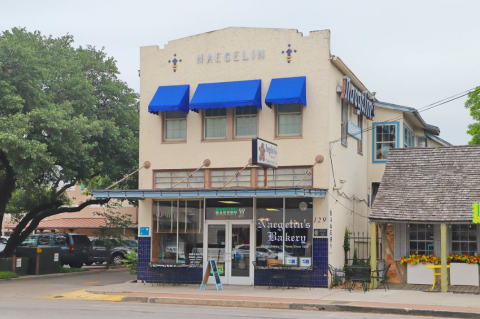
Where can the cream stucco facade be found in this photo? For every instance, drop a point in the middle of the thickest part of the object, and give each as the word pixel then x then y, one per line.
pixel 239 54
pixel 321 118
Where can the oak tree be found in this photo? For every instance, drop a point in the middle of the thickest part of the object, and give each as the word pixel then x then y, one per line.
pixel 65 118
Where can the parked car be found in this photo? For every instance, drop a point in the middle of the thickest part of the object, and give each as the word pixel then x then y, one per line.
pixel 117 251
pixel 260 252
pixel 76 249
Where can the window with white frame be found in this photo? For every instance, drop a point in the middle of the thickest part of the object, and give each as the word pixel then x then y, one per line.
pixel 408 137
pixel 421 141
pixel 464 239
pixel 175 125
pixel 385 139
pixel 246 121
pixel 289 119
pixel 421 239
pixel 216 123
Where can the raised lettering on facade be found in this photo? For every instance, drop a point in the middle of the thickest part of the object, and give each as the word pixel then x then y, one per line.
pixel 231 56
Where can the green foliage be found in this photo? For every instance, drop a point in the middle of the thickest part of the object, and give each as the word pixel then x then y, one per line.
pixel 131 261
pixel 69 270
pixel 473 103
pixel 7 275
pixel 65 118
pixel 346 244
pixel 355 257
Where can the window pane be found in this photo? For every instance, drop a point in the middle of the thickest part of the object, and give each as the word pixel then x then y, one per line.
pixel 216 112
pixel 175 129
pixel 289 124
pixel 290 108
pixel 175 115
pixel 246 125
pixel 215 127
pixel 247 110
pixel 413 235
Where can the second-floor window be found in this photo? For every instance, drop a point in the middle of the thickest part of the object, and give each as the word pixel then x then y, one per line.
pixel 221 177
pixel 289 120
pixel 246 121
pixel 421 141
pixel 175 125
pixel 385 139
pixel 216 123
pixel 285 177
pixel 170 179
pixel 408 138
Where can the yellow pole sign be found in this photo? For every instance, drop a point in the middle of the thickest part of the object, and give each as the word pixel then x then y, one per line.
pixel 476 213
pixel 39 250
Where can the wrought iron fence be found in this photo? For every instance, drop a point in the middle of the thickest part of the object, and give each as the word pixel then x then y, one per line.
pixel 360 242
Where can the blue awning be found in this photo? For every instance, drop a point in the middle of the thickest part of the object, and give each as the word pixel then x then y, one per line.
pixel 170 98
pixel 227 94
pixel 287 91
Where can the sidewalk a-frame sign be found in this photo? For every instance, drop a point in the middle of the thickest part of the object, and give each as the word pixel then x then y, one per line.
pixel 211 266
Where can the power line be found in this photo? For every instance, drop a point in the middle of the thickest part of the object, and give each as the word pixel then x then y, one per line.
pixel 337 201
pixel 423 109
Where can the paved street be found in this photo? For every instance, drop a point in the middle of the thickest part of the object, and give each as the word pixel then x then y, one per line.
pixel 61 309
pixel 39 287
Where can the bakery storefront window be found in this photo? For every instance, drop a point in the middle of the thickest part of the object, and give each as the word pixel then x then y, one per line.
pixel 284 231
pixel 178 232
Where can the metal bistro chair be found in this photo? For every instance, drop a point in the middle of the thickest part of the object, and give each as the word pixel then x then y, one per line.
pixel 157 274
pixel 307 277
pixel 357 274
pixel 381 277
pixel 278 274
pixel 335 275
pixel 190 271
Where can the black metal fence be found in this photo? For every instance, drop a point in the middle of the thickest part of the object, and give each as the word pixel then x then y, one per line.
pixel 360 243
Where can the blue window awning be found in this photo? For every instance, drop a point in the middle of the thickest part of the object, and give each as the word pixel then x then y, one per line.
pixel 170 98
pixel 287 91
pixel 227 94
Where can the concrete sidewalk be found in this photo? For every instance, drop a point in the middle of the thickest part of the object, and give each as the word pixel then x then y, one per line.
pixel 376 301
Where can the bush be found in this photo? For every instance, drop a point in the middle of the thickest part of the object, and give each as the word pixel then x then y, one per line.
pixel 7 275
pixel 69 270
pixel 131 261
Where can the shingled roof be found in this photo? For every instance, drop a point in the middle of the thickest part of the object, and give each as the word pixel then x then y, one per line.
pixel 429 184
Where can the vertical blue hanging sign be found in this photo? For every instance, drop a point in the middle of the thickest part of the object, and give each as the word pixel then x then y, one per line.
pixel 211 266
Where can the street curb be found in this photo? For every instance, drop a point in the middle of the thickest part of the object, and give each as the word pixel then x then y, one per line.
pixel 96 271
pixel 304 306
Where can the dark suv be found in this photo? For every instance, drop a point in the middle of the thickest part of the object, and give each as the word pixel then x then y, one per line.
pixel 117 250
pixel 76 249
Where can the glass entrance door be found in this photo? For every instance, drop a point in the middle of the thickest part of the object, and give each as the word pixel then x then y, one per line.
pixel 228 242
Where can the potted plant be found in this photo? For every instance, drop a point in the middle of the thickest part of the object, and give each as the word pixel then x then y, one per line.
pixel 464 270
pixel 417 273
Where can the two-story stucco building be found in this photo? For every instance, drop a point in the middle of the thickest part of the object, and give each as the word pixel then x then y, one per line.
pixel 203 99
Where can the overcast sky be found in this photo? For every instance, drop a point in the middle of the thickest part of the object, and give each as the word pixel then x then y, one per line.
pixel 411 53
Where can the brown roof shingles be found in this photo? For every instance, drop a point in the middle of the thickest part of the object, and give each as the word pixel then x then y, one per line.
pixel 429 184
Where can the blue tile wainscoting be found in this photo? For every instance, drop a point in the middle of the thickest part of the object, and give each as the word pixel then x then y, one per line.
pixel 318 277
pixel 301 278
pixel 163 274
